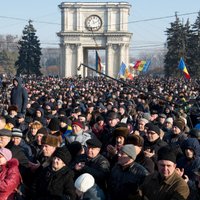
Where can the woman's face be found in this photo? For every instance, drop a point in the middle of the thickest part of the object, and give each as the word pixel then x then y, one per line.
pixel 3 161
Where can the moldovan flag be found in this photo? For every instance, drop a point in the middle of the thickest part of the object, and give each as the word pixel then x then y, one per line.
pixel 139 65
pixel 182 67
pixel 128 75
pixel 122 70
pixel 98 63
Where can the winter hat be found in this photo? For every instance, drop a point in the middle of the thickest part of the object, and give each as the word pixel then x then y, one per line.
pixel 135 140
pixel 162 115
pixel 94 143
pixel 144 120
pixel 78 123
pixel 113 115
pixel 129 149
pixel 147 116
pixel 121 131
pixel 5 132
pixel 63 154
pixel 166 153
pixel 11 121
pixel 16 132
pixel 99 118
pixel 179 123
pixel 169 120
pixel 7 154
pixel 195 133
pixel 84 182
pixel 54 124
pixel 50 140
pixel 154 128
pixel 43 131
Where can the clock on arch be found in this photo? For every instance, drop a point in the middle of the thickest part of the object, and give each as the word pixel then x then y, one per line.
pixel 93 23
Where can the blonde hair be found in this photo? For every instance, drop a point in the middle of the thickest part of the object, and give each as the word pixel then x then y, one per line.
pixel 36 124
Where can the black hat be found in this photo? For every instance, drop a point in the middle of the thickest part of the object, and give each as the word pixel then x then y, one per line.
pixel 166 153
pixel 20 115
pixel 152 127
pixel 11 121
pixel 16 132
pixel 113 115
pixel 179 123
pixel 5 132
pixel 195 133
pixel 74 148
pixel 63 154
pixel 43 131
pixel 99 118
pixel 54 124
pixel 94 143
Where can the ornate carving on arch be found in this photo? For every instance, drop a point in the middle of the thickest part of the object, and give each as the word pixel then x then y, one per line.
pixel 114 38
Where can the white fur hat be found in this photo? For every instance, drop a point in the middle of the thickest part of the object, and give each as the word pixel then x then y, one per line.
pixel 84 182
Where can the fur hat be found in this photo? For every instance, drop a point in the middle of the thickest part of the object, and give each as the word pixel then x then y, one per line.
pixel 136 140
pixel 166 153
pixel 16 132
pixel 7 154
pixel 63 154
pixel 94 143
pixel 50 140
pixel 84 182
pixel 129 149
pixel 12 107
pixel 121 131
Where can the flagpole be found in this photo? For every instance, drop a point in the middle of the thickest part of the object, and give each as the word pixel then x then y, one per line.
pixel 124 83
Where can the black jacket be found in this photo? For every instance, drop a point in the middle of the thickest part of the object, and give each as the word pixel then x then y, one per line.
pixel 19 96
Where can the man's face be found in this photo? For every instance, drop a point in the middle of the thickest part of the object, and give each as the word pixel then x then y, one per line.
pixel 57 163
pixel 176 130
pixel 16 140
pixel 76 128
pixel 48 150
pixel 113 122
pixel 92 152
pixel 166 168
pixel 189 153
pixel 124 159
pixel 152 136
pixel 4 140
pixel 141 125
pixel 120 140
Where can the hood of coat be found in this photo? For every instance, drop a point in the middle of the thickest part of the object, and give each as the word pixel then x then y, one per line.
pixel 191 143
pixel 19 80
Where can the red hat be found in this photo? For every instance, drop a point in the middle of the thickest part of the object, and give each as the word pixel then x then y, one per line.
pixel 78 123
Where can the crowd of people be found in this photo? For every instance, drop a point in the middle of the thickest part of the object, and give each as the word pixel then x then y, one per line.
pixel 100 139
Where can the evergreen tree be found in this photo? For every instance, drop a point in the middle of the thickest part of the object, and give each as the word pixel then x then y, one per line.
pixel 29 52
pixel 194 49
pixel 176 47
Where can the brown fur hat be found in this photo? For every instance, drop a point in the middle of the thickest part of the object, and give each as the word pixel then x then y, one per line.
pixel 50 140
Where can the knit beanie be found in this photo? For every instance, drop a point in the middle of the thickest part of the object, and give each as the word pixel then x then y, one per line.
pixel 78 123
pixel 166 153
pixel 63 154
pixel 54 124
pixel 129 149
pixel 50 140
pixel 84 182
pixel 152 127
pixel 179 123
pixel 74 148
pixel 16 132
pixel 7 154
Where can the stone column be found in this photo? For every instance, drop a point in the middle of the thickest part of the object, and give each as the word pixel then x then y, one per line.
pixel 109 61
pixel 79 58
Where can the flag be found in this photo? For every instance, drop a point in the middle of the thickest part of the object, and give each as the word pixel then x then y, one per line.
pixel 98 63
pixel 128 75
pixel 182 67
pixel 122 70
pixel 139 65
pixel 146 66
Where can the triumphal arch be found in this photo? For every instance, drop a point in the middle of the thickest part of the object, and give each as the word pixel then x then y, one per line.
pixel 86 26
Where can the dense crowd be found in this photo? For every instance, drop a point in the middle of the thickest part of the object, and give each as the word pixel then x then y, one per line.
pixel 99 139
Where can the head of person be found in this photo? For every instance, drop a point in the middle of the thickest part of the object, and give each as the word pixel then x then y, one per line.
pixel 126 155
pixel 137 141
pixel 153 132
pixel 16 81
pixel 20 118
pixel 50 143
pixel 5 155
pixel 2 122
pixel 64 121
pixel 141 124
pixel 12 110
pixel 5 137
pixel 161 118
pixel 120 135
pixel 100 120
pixel 16 136
pixel 168 123
pixel 83 183
pixel 34 127
pixel 166 162
pixel 178 127
pixel 40 134
pixel 93 148
pixel 77 127
pixel 113 119
pixel 61 158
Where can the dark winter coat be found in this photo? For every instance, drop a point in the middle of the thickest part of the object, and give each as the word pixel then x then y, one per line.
pixel 55 185
pixel 124 183
pixel 9 179
pixel 19 96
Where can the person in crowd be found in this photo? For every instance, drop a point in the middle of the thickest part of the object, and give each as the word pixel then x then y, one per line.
pixel 55 182
pixel 95 164
pixel 140 129
pixel 165 183
pixel 78 133
pixel 126 176
pixel 2 122
pixel 21 123
pixel 9 175
pixel 98 126
pixel 19 96
pixel 87 189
